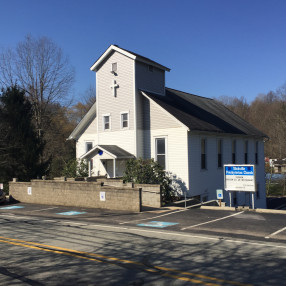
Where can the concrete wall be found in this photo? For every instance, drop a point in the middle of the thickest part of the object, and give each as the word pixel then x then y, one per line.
pixel 78 194
pixel 151 195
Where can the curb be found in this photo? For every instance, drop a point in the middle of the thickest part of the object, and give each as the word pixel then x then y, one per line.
pixel 270 211
pixel 218 208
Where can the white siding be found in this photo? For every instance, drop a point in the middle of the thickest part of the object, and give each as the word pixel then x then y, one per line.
pixel 177 161
pixel 92 127
pixel 151 117
pixel 123 138
pixel 205 182
pixel 124 100
pixel 151 81
pixel 157 118
pixel 89 135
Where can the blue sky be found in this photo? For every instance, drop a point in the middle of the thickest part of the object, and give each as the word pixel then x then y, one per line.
pixel 213 47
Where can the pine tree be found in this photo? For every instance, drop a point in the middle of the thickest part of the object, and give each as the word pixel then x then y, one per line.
pixel 20 145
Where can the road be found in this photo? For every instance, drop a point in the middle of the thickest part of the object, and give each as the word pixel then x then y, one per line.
pixel 42 245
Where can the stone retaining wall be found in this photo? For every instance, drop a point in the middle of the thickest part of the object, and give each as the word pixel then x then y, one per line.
pixel 77 193
pixel 151 195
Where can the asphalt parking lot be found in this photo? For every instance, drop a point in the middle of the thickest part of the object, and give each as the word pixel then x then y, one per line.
pixel 230 224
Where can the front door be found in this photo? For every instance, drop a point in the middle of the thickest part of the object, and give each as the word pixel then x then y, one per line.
pixel 109 168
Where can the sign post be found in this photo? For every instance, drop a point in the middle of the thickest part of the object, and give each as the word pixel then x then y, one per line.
pixel 219 195
pixel 240 178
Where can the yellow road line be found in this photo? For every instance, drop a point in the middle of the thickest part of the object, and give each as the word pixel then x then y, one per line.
pixel 78 254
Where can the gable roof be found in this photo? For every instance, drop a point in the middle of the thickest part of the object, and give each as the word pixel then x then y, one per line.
pixel 202 114
pixel 83 124
pixel 127 53
pixel 112 150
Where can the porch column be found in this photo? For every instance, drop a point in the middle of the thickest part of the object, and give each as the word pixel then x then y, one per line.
pixel 89 168
pixel 114 168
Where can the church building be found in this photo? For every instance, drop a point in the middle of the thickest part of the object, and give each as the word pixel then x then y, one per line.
pixel 191 137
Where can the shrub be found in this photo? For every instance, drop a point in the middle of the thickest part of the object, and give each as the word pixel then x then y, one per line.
pixel 76 168
pixel 148 171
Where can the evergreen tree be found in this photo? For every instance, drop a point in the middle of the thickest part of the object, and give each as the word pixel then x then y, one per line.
pixel 20 145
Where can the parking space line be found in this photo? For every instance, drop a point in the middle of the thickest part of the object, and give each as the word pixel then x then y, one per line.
pixel 276 232
pixel 44 209
pixel 187 235
pixel 76 223
pixel 225 217
pixel 151 218
pixel 7 214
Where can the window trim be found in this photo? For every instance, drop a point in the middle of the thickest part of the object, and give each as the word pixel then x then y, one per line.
pixel 257 191
pixel 121 120
pixel 246 159
pixel 166 149
pixel 233 151
pixel 86 143
pixel 220 153
pixel 256 152
pixel 103 122
pixel 204 155
pixel 112 64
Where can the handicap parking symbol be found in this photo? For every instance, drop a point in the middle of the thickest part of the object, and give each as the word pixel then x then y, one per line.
pixel 12 207
pixel 159 224
pixel 71 213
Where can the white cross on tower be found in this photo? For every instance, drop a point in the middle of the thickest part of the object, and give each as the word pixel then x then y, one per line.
pixel 114 85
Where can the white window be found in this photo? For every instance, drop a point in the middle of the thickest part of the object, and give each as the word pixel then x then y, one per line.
pixel 106 122
pixel 124 120
pixel 88 146
pixel 114 67
pixel 160 145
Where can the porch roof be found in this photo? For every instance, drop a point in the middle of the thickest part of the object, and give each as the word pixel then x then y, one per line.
pixel 112 150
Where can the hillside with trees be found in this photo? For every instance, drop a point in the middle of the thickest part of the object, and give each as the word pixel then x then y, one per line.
pixel 267 112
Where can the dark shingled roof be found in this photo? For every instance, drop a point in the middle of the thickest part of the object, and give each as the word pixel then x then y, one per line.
pixel 116 151
pixel 203 114
pixel 140 58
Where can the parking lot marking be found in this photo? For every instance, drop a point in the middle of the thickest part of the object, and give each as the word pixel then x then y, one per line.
pixel 76 223
pixel 149 218
pixel 71 213
pixel 12 207
pixel 159 224
pixel 225 217
pixel 45 209
pixel 276 232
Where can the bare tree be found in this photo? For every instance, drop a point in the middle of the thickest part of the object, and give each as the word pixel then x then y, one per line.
pixel 79 110
pixel 38 67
